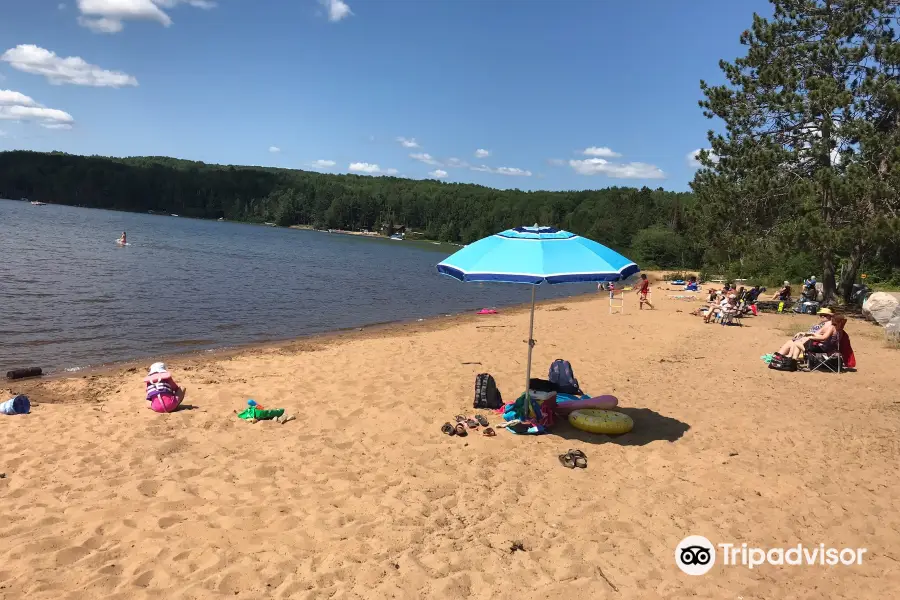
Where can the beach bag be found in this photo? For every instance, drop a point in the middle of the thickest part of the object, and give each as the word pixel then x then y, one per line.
pixel 563 377
pixel 541 385
pixel 783 363
pixel 486 393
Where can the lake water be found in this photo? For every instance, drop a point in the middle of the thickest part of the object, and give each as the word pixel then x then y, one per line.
pixel 71 298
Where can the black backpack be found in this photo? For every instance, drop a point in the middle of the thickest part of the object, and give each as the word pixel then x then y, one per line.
pixel 783 363
pixel 486 393
pixel 563 377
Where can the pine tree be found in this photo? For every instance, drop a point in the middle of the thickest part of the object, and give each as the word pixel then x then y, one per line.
pixel 802 111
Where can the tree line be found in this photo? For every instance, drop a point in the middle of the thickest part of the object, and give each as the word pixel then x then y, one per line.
pixel 652 226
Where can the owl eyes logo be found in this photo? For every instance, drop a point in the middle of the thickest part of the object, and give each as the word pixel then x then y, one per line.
pixel 695 555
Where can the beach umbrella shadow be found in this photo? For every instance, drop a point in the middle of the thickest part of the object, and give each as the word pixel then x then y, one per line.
pixel 649 426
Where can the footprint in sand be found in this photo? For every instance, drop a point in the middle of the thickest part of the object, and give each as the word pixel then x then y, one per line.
pixel 149 488
pixel 166 522
pixel 70 555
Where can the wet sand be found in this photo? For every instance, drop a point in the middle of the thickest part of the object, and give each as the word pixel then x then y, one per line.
pixel 362 496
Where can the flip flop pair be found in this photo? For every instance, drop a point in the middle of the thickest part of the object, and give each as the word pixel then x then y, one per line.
pixel 458 429
pixel 573 458
pixel 472 422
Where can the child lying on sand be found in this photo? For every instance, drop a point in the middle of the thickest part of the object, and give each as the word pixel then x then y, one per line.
pixel 163 393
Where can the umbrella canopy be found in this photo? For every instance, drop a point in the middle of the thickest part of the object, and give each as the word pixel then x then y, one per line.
pixel 535 255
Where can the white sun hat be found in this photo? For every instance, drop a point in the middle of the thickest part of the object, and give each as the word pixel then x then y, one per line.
pixel 157 367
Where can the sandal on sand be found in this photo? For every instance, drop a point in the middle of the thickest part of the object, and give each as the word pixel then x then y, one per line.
pixel 447 428
pixel 519 427
pixel 461 430
pixel 472 423
pixel 489 431
pixel 567 460
pixel 459 419
pixel 579 458
pixel 481 420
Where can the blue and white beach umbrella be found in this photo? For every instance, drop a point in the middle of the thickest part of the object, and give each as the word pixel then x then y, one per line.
pixel 536 255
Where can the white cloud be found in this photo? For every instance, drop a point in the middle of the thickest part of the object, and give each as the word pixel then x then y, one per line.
pixel 322 164
pixel 11 98
pixel 408 142
pixel 438 173
pixel 482 153
pixel 102 25
pixel 15 106
pixel 512 171
pixel 693 158
pixel 556 162
pixel 391 171
pixel 337 9
pixel 457 163
pixel 364 167
pixel 425 158
pixel 632 170
pixel 274 149
pixel 601 151
pixel 58 71
pixel 107 16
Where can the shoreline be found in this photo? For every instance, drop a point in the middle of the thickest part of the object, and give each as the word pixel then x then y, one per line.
pixel 192 358
pixel 381 329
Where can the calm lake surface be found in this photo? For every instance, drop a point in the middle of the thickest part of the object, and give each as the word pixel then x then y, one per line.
pixel 71 298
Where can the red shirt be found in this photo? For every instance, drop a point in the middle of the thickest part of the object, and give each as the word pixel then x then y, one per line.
pixel 645 286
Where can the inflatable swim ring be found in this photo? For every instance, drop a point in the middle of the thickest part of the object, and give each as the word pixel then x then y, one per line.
pixel 601 421
pixel 566 404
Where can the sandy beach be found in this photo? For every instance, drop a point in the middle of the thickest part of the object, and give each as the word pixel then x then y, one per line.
pixel 363 497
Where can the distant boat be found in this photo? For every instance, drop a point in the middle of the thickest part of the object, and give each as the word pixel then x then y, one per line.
pixel 221 219
pixel 174 215
pixel 271 224
pixel 36 203
pixel 397 237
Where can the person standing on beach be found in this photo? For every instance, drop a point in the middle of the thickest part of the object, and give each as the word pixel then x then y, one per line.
pixel 644 292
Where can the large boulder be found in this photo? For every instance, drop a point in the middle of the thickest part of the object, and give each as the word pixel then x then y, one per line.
pixel 881 307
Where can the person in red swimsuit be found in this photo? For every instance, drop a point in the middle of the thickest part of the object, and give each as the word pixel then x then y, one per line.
pixel 644 292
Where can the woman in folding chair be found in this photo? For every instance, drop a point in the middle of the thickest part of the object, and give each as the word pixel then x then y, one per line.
pixel 824 337
pixel 826 355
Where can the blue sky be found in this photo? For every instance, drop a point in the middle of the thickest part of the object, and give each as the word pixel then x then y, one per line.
pixel 561 94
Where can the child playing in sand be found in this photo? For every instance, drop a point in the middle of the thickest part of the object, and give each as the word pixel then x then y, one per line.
pixel 163 393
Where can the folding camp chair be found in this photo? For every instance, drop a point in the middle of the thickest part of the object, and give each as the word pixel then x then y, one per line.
pixel 831 362
pixel 731 316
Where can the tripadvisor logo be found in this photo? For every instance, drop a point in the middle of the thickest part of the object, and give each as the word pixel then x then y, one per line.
pixel 696 555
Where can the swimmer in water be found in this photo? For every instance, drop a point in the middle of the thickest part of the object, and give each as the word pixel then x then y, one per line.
pixel 122 239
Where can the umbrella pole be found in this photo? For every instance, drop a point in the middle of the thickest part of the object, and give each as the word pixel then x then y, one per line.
pixel 530 347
